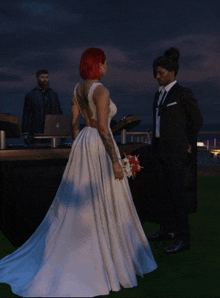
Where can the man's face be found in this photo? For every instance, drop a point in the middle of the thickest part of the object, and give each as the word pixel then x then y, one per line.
pixel 164 76
pixel 43 81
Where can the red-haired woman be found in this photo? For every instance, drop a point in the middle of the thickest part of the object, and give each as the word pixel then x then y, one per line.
pixel 91 240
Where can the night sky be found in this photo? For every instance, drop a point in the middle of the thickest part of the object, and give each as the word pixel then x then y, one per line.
pixel 53 34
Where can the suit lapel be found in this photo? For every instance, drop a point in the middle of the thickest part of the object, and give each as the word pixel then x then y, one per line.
pixel 156 97
pixel 170 94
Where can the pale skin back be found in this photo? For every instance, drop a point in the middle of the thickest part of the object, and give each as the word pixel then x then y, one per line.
pixel 102 103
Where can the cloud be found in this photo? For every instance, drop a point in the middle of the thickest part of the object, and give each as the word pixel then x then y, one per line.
pixel 12 78
pixel 203 51
pixel 51 11
pixel 122 70
pixel 39 8
pixel 200 56
pixel 37 16
pixel 199 62
pixel 4 77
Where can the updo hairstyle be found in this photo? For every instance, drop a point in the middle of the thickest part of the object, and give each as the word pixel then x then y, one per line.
pixel 169 61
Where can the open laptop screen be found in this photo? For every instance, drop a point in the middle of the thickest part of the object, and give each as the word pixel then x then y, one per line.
pixel 57 125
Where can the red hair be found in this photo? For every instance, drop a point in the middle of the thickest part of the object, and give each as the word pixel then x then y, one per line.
pixel 89 63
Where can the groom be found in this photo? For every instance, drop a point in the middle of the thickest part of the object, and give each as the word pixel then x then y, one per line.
pixel 176 122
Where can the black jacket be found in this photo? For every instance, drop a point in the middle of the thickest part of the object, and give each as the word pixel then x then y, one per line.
pixel 179 123
pixel 36 107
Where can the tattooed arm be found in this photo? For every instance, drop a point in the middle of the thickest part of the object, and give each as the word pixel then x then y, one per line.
pixel 101 99
pixel 75 117
pixel 109 146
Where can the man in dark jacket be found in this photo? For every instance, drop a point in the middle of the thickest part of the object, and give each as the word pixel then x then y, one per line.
pixel 41 101
pixel 176 122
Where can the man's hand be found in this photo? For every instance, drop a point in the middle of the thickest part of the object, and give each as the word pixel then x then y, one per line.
pixel 189 149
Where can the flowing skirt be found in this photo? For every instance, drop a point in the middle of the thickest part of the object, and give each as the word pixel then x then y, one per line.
pixel 91 240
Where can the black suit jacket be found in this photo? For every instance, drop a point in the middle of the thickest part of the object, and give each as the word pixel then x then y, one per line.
pixel 180 121
pixel 36 108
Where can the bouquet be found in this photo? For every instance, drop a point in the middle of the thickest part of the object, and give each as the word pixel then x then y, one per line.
pixel 131 165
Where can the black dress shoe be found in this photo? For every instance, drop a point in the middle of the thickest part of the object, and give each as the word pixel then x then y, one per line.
pixel 160 235
pixel 177 246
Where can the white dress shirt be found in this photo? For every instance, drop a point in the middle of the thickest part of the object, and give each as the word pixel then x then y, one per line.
pixel 162 89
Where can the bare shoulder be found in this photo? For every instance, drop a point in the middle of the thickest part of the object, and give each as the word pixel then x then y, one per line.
pixel 100 93
pixel 73 94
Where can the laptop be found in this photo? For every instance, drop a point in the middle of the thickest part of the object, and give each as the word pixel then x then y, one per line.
pixel 57 125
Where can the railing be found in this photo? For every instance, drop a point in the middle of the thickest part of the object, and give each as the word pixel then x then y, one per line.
pixel 139 135
pixel 145 137
pixel 209 132
pixel 54 139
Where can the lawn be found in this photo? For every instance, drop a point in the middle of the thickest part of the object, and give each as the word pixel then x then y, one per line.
pixel 193 273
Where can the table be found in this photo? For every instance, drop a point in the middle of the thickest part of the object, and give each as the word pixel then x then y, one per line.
pixel 28 185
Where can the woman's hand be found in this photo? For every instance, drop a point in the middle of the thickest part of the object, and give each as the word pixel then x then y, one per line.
pixel 118 171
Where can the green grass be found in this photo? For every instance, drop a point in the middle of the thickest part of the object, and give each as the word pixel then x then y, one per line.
pixel 193 273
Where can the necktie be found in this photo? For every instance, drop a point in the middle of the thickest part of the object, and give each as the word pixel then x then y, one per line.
pixel 161 103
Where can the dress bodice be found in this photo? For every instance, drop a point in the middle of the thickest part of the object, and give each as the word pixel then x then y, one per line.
pixel 112 107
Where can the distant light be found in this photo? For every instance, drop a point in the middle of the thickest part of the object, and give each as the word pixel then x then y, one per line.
pixel 200 144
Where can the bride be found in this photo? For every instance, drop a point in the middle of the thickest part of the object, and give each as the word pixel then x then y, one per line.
pixel 91 240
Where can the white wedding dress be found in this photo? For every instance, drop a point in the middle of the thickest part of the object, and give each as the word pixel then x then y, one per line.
pixel 91 240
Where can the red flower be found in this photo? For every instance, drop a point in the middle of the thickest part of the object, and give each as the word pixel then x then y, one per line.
pixel 132 159
pixel 135 162
pixel 135 169
pixel 134 165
